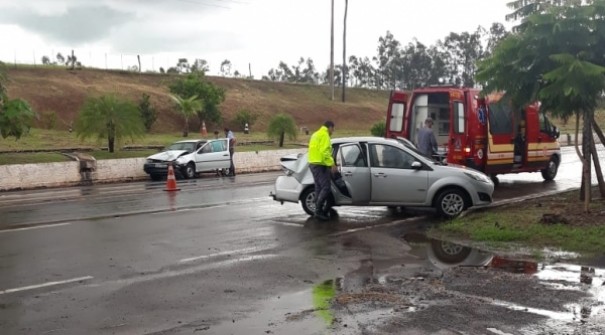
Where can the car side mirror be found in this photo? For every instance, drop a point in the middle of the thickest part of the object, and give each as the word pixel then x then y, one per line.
pixel 416 165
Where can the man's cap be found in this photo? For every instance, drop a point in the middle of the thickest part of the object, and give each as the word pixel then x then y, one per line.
pixel 329 124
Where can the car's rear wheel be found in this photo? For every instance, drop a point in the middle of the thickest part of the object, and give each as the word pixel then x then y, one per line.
pixel 155 177
pixel 189 171
pixel 307 199
pixel 550 172
pixel 450 203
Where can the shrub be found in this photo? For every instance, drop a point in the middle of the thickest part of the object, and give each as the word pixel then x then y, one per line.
pixel 379 129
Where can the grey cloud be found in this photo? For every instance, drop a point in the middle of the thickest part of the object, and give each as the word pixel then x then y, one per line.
pixel 130 40
pixel 77 25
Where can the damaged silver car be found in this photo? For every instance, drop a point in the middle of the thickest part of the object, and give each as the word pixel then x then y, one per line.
pixel 376 171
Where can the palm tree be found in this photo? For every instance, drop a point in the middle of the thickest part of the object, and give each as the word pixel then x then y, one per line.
pixel 188 107
pixel 281 125
pixel 111 118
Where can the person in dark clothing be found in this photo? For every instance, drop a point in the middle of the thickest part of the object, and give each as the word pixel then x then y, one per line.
pixel 229 135
pixel 322 166
pixel 427 143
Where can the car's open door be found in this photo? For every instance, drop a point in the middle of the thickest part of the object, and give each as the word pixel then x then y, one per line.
pixel 355 172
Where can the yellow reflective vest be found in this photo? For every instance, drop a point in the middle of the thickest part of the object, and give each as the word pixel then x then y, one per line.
pixel 320 148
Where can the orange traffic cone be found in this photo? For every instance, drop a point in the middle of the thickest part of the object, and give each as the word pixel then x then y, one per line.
pixel 204 132
pixel 171 180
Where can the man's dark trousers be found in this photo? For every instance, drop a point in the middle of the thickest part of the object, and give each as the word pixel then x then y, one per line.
pixel 322 178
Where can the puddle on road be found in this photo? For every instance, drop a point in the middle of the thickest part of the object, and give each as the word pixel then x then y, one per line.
pixel 367 295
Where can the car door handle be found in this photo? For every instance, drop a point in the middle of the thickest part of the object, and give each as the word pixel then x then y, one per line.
pixel 380 174
pixel 225 155
pixel 347 174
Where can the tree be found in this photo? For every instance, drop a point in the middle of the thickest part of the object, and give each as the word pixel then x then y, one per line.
pixel 557 59
pixel 388 53
pixel 60 59
pixel 200 66
pixel 280 126
pixel 188 107
pixel 72 61
pixel 182 66
pixel 522 9
pixel 46 60
pixel 111 118
pixel 226 68
pixel 148 113
pixel 16 116
pixel 244 117
pixel 210 95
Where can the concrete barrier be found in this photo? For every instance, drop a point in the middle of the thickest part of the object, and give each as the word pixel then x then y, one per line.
pixel 31 176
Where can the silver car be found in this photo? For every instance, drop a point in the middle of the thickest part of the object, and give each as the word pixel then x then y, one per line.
pixel 377 171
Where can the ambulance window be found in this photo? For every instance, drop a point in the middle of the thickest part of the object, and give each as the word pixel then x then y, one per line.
pixel 396 123
pixel 459 118
pixel 500 118
pixel 545 125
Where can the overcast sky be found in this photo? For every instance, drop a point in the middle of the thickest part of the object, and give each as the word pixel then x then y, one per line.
pixel 257 32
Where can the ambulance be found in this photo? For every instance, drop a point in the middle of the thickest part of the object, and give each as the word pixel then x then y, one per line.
pixel 483 133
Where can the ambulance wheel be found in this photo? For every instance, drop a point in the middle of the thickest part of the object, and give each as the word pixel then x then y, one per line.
pixel 550 172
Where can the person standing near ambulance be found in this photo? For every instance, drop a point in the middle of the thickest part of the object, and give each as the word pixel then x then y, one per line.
pixel 427 143
pixel 322 166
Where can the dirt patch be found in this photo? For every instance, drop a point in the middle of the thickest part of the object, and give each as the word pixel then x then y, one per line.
pixel 567 209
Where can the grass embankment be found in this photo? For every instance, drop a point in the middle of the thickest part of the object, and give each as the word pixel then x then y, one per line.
pixel 45 146
pixel 556 221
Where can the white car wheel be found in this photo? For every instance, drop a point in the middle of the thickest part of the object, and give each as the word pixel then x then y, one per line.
pixel 450 203
pixel 189 171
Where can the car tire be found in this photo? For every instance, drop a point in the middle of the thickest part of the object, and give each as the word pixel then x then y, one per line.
pixel 307 199
pixel 156 177
pixel 189 171
pixel 550 172
pixel 450 203
pixel 449 253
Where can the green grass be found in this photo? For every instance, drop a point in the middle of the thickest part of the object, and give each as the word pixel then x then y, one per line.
pixel 520 223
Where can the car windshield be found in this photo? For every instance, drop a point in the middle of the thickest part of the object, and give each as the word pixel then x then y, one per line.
pixel 187 146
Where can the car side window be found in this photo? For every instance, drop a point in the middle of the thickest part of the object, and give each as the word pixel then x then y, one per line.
pixel 352 156
pixel 218 145
pixel 206 149
pixel 386 156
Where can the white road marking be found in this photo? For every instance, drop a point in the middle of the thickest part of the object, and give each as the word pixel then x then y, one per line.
pixel 217 254
pixel 496 331
pixel 52 225
pixel 52 283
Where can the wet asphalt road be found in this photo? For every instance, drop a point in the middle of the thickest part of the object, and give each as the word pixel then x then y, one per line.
pixel 220 257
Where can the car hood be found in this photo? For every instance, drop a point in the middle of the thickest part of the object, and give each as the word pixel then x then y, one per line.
pixel 169 155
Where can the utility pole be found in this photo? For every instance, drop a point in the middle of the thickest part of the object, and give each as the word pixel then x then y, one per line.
pixel 344 52
pixel 332 53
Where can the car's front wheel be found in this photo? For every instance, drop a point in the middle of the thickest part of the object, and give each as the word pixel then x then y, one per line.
pixel 450 203
pixel 189 171
pixel 156 177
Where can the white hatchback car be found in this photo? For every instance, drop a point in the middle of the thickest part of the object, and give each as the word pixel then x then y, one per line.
pixel 384 172
pixel 190 157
